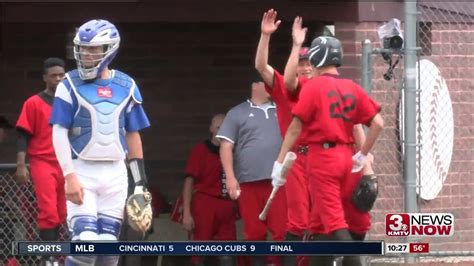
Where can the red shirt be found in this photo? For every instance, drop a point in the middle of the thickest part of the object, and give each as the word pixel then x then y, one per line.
pixel 330 107
pixel 285 101
pixel 204 165
pixel 34 119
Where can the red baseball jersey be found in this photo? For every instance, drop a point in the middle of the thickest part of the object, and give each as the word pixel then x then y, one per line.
pixel 34 119
pixel 281 98
pixel 204 165
pixel 330 107
pixel 285 101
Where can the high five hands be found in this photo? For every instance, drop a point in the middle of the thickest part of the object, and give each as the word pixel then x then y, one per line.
pixel 269 22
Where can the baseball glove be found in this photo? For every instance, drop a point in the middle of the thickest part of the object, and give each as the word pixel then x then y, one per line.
pixel 139 212
pixel 365 193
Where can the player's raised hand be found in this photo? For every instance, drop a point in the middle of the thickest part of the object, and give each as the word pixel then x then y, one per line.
pixel 269 22
pixel 22 175
pixel 74 190
pixel 298 32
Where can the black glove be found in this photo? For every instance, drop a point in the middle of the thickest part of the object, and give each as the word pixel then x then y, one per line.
pixel 365 193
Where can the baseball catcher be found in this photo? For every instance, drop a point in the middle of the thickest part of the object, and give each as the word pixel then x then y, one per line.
pixel 97 117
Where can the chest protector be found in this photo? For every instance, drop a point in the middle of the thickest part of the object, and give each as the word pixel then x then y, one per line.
pixel 98 131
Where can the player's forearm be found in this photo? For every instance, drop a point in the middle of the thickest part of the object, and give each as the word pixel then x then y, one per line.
pixel 134 143
pixel 375 128
pixel 227 158
pixel 62 149
pixel 187 195
pixel 21 158
pixel 368 170
pixel 359 136
pixel 291 136
pixel 290 75
pixel 261 60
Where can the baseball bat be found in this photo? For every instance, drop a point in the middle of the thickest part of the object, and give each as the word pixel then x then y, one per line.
pixel 290 158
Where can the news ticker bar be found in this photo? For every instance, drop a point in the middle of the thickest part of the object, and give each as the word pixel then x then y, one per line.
pixel 199 248
pixel 218 248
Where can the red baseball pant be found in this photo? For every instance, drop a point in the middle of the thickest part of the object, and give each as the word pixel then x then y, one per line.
pixel 214 218
pixel 252 200
pixel 297 197
pixel 48 182
pixel 328 171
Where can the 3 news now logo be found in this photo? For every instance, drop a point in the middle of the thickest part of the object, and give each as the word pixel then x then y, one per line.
pixel 419 224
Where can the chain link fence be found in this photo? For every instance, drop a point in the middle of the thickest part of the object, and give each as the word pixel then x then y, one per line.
pixel 444 120
pixel 18 211
pixel 444 127
pixel 388 150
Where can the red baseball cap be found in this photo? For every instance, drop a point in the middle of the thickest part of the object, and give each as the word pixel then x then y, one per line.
pixel 304 53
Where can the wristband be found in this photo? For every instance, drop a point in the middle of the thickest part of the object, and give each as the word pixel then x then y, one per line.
pixel 137 167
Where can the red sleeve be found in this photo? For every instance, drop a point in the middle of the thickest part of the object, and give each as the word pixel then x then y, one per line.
pixel 27 118
pixel 366 108
pixel 306 106
pixel 294 96
pixel 301 81
pixel 193 168
pixel 278 84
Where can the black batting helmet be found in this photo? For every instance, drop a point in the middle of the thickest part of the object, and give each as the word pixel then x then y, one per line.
pixel 325 51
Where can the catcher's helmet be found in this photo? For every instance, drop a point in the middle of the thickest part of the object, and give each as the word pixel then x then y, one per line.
pixel 325 51
pixel 97 32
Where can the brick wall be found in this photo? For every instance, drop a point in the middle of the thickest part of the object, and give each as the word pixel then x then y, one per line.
pixel 186 73
pixel 451 51
pixel 22 51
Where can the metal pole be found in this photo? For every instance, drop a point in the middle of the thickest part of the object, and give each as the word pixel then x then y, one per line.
pixel 409 159
pixel 366 81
